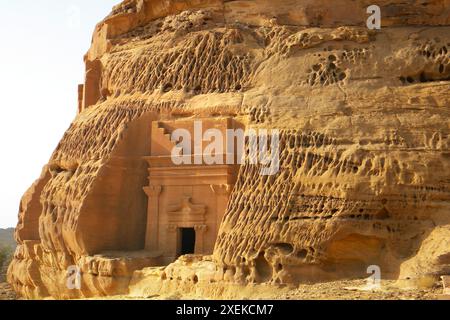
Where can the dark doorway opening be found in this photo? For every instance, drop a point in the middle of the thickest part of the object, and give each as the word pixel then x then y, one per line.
pixel 187 237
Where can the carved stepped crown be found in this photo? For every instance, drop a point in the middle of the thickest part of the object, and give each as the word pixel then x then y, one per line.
pixel 162 142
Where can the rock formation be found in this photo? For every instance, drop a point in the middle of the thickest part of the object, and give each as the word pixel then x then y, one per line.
pixel 364 173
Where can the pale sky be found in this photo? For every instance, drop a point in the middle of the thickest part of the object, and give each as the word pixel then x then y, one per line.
pixel 41 64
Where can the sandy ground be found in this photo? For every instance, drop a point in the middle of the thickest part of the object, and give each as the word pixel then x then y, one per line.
pixel 339 290
pixel 358 290
pixel 6 293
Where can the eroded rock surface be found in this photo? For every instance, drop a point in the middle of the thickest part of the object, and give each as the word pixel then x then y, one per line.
pixel 365 160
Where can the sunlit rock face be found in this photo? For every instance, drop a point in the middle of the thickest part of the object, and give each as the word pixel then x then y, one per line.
pixel 364 171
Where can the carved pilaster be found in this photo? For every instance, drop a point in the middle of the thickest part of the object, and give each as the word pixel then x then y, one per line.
pixel 153 191
pixel 200 230
pixel 151 237
pixel 222 192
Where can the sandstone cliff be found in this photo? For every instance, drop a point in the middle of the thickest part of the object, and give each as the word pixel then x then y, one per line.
pixel 365 161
